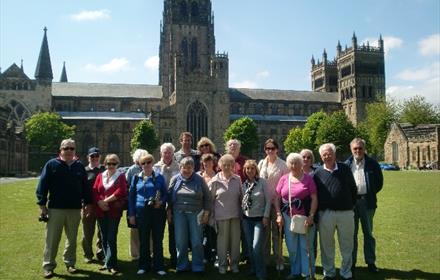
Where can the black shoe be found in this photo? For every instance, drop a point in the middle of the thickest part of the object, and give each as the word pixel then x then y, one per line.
pixel 373 268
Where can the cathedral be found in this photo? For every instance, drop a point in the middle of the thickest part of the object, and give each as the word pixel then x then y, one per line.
pixel 193 94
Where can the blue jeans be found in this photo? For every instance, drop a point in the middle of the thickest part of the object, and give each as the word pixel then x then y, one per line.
pixel 300 247
pixel 255 237
pixel 109 232
pixel 186 227
pixel 151 222
pixel 365 216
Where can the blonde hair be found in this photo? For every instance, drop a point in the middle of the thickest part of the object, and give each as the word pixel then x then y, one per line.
pixel 251 163
pixel 294 158
pixel 204 141
pixel 227 158
pixel 307 151
pixel 147 157
pixel 111 157
pixel 138 154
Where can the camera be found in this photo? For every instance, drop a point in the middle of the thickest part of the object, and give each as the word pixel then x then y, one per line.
pixel 43 218
pixel 152 200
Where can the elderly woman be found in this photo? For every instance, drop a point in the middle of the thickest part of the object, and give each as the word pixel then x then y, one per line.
pixel 110 192
pixel 206 146
pixel 225 189
pixel 189 207
pixel 308 160
pixel 146 209
pixel 297 191
pixel 271 169
pixel 233 147
pixel 256 211
pixel 131 172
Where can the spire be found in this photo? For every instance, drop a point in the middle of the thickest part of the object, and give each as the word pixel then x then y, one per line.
pixel 380 43
pixel 312 61
pixel 63 78
pixel 21 65
pixel 43 72
pixel 338 48
pixel 354 41
pixel 324 56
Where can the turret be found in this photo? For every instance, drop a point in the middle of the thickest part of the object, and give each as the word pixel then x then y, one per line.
pixel 63 78
pixel 354 41
pixel 324 57
pixel 380 43
pixel 312 61
pixel 338 49
pixel 43 72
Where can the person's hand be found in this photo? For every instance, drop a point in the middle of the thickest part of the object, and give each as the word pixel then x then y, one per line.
pixel 43 210
pixel 157 204
pixel 279 220
pixel 132 220
pixel 265 222
pixel 309 221
pixel 205 218
pixel 87 210
pixel 103 205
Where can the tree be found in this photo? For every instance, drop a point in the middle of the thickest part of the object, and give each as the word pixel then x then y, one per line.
pixel 310 129
pixel 245 130
pixel 294 140
pixel 144 136
pixel 338 130
pixel 46 131
pixel 417 110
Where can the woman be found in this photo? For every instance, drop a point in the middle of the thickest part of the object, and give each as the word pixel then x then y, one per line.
pixel 209 235
pixel 131 172
pixel 303 201
pixel 308 160
pixel 271 169
pixel 225 189
pixel 189 207
pixel 146 209
pixel 256 212
pixel 168 167
pixel 110 192
pixel 206 146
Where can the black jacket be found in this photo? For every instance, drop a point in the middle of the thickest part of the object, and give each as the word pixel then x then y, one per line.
pixel 373 178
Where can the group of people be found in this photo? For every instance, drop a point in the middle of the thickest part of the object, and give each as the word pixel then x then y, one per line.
pixel 210 203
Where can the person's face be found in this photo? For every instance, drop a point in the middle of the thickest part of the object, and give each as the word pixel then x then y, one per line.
pixel 233 148
pixel 270 149
pixel 111 165
pixel 226 167
pixel 205 148
pixel 186 170
pixel 167 155
pixel 186 142
pixel 67 152
pixel 307 159
pixel 147 165
pixel 94 159
pixel 250 171
pixel 358 151
pixel 328 157
pixel 208 165
pixel 295 166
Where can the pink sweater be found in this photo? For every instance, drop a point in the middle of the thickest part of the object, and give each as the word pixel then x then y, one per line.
pixel 300 190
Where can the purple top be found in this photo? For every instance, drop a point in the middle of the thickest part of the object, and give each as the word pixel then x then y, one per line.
pixel 300 190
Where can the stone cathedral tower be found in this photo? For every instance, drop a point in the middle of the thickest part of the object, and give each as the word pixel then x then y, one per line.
pixel 194 78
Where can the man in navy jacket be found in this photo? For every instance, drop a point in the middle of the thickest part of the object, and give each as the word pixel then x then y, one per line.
pixel 61 191
pixel 369 181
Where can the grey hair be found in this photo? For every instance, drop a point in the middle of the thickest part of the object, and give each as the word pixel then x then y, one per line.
pixel 358 140
pixel 186 161
pixel 138 154
pixel 294 158
pixel 226 158
pixel 167 146
pixel 67 142
pixel 307 151
pixel 230 141
pixel 327 146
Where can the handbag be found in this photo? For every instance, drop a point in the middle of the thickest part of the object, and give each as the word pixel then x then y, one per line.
pixel 297 222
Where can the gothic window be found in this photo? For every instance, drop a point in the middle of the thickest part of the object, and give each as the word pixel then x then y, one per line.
pixel 364 91
pixel 113 144
pixel 259 109
pixel 274 109
pixel 197 120
pixel 17 112
pixel 193 53
pixel 395 148
pixel 167 138
pixel 183 10
pixel 184 48
pixel 414 155
pixel 87 143
pixel 194 11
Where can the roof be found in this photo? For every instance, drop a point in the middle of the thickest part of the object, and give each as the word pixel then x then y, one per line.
pixel 122 116
pixel 14 72
pixel 44 67
pixel 268 118
pixel 106 90
pixel 420 130
pixel 246 94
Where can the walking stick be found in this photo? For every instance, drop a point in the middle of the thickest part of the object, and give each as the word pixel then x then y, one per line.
pixel 280 250
pixel 312 277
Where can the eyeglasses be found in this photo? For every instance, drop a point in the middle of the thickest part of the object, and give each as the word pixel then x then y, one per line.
pixel 111 163
pixel 68 148
pixel 204 145
pixel 94 156
pixel 270 148
pixel 358 148
pixel 307 157
pixel 146 162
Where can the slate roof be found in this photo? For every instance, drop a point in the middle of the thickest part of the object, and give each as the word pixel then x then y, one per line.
pixel 44 67
pixel 417 131
pixel 14 72
pixel 122 116
pixel 106 90
pixel 247 94
pixel 269 118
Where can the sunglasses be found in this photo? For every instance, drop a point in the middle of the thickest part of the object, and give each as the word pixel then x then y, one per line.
pixel 307 157
pixel 111 163
pixel 68 148
pixel 270 148
pixel 94 156
pixel 204 145
pixel 146 162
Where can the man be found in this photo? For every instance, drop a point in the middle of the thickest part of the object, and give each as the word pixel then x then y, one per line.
pixel 185 140
pixel 64 180
pixel 369 181
pixel 92 169
pixel 336 198
pixel 233 147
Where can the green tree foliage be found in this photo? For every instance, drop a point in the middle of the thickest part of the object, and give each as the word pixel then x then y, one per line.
pixel 144 137
pixel 46 131
pixel 417 110
pixel 245 130
pixel 310 129
pixel 338 130
pixel 294 140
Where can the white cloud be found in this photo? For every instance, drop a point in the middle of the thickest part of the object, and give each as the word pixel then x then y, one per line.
pixel 421 74
pixel 429 89
pixel 430 45
pixel 389 43
pixel 244 84
pixel 152 63
pixel 115 65
pixel 263 74
pixel 91 15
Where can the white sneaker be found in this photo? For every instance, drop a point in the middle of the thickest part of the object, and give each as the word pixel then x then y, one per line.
pixel 141 271
pixel 216 263
pixel 161 273
pixel 280 267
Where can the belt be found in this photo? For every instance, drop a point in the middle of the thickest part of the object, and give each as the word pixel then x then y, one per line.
pixel 361 196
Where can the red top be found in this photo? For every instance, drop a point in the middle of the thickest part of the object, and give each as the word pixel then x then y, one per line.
pixel 238 167
pixel 119 189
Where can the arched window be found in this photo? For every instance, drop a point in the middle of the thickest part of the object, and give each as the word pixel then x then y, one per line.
pixel 114 144
pixel 197 120
pixel 194 11
pixel 17 112
pixel 395 148
pixel 193 53
pixel 183 10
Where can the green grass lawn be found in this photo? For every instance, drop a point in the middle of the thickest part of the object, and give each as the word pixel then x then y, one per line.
pixel 407 229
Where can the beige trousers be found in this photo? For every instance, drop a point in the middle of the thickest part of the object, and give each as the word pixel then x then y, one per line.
pixel 228 243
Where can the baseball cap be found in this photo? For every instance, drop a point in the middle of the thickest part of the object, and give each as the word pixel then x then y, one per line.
pixel 92 151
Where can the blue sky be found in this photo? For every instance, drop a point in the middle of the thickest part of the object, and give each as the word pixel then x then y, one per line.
pixel 269 43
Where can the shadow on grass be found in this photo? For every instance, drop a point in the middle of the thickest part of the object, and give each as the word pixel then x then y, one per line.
pixel 362 273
